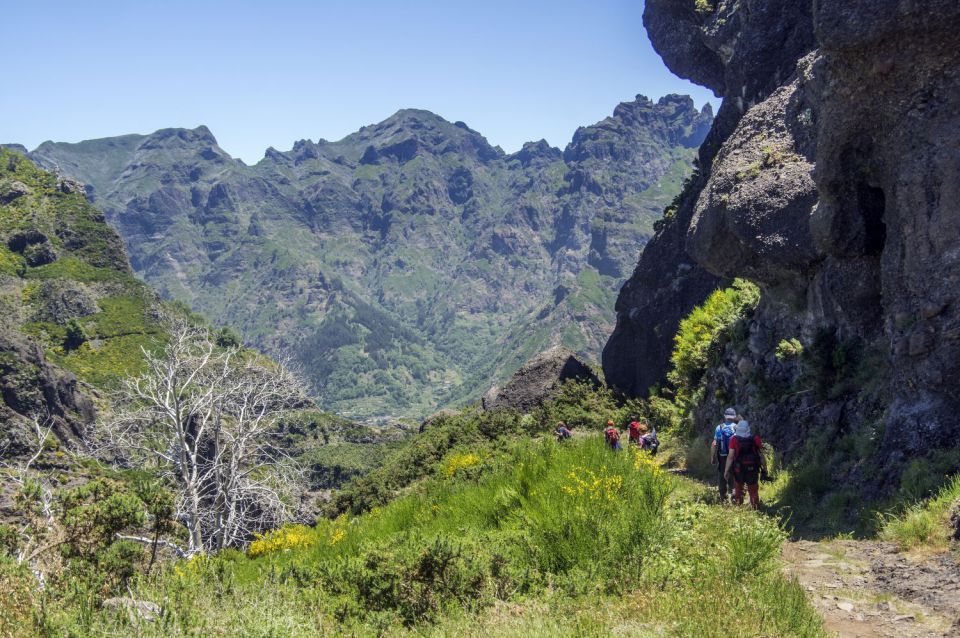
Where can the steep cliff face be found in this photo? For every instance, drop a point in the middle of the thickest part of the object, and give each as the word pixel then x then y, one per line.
pixel 742 51
pixel 72 315
pixel 836 191
pixel 393 262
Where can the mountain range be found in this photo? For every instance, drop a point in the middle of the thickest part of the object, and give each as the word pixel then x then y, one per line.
pixel 409 265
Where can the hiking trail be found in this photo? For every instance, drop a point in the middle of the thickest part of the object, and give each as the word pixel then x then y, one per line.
pixel 867 589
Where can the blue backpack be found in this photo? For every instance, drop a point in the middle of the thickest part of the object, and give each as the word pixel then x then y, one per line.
pixel 722 437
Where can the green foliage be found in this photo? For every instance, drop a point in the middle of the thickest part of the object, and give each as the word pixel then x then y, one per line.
pixel 580 405
pixel 227 338
pixel 574 525
pixel 75 337
pixel 11 263
pixel 788 349
pixel 925 524
pixel 706 330
pixel 18 605
pixel 704 7
pixel 421 457
pixel 686 190
pixel 922 477
pixel 833 368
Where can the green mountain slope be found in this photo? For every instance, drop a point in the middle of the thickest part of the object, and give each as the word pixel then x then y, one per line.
pixel 72 315
pixel 408 265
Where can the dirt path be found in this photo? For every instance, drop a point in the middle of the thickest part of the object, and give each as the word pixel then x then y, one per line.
pixel 865 589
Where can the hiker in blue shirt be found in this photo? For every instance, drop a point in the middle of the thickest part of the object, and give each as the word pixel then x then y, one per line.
pixel 721 448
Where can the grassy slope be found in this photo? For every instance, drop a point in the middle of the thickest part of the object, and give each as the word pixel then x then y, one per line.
pixel 90 262
pixel 536 539
pixel 926 524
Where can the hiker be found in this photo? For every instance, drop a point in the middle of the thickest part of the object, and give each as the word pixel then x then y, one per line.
pixel 745 464
pixel 611 436
pixel 720 449
pixel 634 430
pixel 562 432
pixel 649 440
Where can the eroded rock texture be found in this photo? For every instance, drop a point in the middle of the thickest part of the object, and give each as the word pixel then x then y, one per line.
pixel 742 51
pixel 539 380
pixel 831 178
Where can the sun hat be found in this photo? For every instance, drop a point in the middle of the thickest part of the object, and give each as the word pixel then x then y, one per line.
pixel 730 413
pixel 742 429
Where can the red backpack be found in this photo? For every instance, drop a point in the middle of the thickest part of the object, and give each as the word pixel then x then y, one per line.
pixel 747 461
pixel 613 435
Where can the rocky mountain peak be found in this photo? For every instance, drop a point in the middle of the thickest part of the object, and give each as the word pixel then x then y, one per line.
pixel 377 256
pixel 412 132
pixel 536 152
pixel 622 136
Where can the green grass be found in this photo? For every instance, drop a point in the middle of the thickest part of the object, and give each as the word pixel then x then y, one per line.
pixel 600 541
pixel 926 524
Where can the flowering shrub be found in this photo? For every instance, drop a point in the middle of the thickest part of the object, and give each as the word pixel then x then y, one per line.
pixel 282 540
pixel 456 463
pixel 585 482
pixel 642 460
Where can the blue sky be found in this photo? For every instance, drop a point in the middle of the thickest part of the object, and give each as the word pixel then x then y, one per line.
pixel 268 73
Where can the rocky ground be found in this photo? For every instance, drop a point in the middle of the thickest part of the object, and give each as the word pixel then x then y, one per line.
pixel 867 589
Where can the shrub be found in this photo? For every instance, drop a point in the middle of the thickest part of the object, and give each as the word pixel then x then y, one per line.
pixel 458 463
pixel 704 7
pixel 76 336
pixel 788 349
pixel 17 604
pixel 282 540
pixel 702 332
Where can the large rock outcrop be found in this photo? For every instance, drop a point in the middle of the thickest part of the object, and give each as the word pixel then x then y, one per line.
pixel 539 380
pixel 836 190
pixel 743 52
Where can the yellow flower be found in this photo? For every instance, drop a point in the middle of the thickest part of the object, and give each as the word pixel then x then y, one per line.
pixel 283 539
pixel 457 462
pixel 338 536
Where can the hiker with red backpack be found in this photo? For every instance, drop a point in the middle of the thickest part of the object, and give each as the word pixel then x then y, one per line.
pixel 745 464
pixel 634 430
pixel 611 436
pixel 720 449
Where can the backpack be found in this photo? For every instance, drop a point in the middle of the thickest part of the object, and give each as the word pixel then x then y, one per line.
pixel 747 464
pixel 726 432
pixel 613 436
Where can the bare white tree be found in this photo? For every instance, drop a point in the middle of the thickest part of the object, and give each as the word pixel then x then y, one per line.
pixel 37 528
pixel 204 414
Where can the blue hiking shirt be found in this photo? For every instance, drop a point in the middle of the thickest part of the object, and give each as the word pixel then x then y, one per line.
pixel 722 436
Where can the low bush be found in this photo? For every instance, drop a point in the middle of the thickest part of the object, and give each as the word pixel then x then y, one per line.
pixel 703 333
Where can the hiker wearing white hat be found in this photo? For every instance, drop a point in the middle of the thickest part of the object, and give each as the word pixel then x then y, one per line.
pixel 745 464
pixel 720 448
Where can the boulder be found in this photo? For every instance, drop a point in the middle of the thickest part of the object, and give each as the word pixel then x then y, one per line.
pixel 538 380
pixel 14 190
